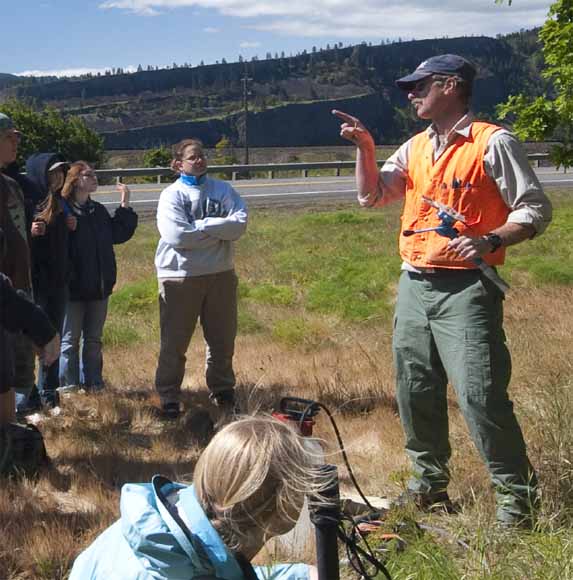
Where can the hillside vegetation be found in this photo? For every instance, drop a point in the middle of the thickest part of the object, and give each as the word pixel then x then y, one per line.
pixel 150 107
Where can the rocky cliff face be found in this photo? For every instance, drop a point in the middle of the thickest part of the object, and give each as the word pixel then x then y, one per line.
pixel 300 124
pixel 293 125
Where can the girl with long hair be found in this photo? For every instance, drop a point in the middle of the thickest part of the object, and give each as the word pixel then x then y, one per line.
pixel 92 277
pixel 52 222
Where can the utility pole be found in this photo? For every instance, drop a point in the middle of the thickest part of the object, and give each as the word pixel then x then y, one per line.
pixel 245 80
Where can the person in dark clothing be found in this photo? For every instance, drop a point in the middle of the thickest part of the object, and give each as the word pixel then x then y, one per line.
pixel 50 228
pixel 32 195
pixel 16 263
pixel 19 314
pixel 92 276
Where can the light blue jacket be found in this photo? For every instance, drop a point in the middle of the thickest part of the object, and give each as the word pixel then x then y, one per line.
pixel 198 223
pixel 150 542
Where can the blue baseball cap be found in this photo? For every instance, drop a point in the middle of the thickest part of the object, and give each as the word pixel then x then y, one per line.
pixel 444 64
pixel 6 124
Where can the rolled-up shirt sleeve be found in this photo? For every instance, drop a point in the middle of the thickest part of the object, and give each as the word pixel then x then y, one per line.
pixel 505 161
pixel 392 180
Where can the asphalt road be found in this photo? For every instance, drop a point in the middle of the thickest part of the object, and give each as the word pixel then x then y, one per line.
pixel 264 193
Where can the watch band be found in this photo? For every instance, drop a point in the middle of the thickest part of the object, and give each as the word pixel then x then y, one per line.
pixel 494 240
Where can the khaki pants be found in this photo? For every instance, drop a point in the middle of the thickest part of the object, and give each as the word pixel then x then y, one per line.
pixel 182 301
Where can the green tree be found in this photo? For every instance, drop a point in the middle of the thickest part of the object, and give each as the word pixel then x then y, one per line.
pixel 160 157
pixel 224 152
pixel 224 155
pixel 550 117
pixel 47 130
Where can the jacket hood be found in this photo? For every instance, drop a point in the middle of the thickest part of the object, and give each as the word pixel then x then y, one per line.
pixel 37 169
pixel 162 542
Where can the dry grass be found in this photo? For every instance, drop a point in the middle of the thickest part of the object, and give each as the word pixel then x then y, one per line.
pixel 100 442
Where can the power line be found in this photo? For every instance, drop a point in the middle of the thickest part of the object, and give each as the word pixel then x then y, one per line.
pixel 245 80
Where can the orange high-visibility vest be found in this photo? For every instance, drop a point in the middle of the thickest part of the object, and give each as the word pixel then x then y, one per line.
pixel 457 179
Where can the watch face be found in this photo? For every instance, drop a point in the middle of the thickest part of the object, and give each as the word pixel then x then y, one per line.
pixel 495 241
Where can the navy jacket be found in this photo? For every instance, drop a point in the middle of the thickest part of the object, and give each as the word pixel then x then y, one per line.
pixel 93 267
pixel 50 253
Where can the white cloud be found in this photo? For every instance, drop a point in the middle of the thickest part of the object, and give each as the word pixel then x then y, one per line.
pixel 211 30
pixel 367 19
pixel 70 72
pixel 249 44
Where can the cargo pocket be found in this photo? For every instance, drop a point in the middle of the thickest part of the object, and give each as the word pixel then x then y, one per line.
pixel 478 364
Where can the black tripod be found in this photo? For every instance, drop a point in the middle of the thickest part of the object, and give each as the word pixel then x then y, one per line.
pixel 326 517
pixel 325 512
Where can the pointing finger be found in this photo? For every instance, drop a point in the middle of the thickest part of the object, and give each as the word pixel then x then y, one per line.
pixel 345 117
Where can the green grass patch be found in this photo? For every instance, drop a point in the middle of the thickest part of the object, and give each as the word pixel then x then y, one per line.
pixel 423 559
pixel 138 298
pixel 299 331
pixel 333 262
pixel 354 288
pixel 549 258
pixel 119 333
pixel 273 294
pixel 356 217
pixel 247 322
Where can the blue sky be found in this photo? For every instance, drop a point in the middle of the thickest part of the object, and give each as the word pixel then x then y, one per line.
pixel 55 36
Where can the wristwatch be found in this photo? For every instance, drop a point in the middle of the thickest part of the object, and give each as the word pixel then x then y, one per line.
pixel 494 241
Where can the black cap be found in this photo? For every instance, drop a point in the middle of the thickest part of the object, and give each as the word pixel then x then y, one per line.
pixel 444 64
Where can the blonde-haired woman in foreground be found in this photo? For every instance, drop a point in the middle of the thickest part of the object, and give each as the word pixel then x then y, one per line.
pixel 248 486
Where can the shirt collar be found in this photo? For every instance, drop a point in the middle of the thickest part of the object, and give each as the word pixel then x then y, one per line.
pixel 462 127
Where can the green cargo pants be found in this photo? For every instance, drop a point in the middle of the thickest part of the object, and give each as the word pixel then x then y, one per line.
pixel 449 325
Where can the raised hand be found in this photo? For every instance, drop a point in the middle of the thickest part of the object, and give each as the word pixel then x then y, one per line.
pixel 125 194
pixel 352 129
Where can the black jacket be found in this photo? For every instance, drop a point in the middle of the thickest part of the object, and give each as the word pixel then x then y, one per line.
pixel 17 313
pixel 50 253
pixel 93 268
pixel 32 194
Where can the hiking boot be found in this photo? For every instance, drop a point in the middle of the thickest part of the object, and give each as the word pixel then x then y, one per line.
pixel 68 390
pixel 223 399
pixel 50 399
pixel 227 407
pixel 170 411
pixel 427 502
pixel 33 403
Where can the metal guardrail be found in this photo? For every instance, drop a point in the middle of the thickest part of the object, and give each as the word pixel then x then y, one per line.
pixel 271 169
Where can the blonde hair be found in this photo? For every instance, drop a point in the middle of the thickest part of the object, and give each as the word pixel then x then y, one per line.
pixel 253 477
